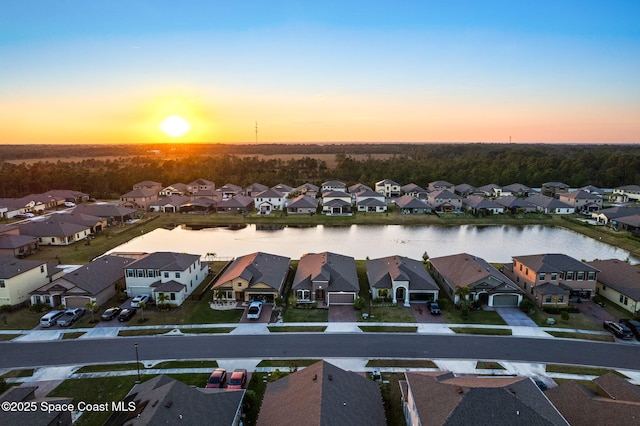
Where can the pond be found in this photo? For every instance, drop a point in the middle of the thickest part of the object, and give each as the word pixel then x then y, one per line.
pixel 493 243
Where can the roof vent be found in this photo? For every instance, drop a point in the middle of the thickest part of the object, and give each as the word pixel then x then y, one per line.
pixel 512 390
pixel 330 377
pixel 168 404
pixel 315 377
pixel 459 390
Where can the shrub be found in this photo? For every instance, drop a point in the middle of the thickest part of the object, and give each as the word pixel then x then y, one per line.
pixel 526 306
pixel 279 301
pixel 564 315
pixel 5 309
pixel 358 304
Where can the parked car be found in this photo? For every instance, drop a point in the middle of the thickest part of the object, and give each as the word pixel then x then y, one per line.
pixel 217 378
pixel 50 318
pixel 633 325
pixel 24 216
pixel 142 298
pixel 126 314
pixel 69 204
pixel 110 313
pixel 254 311
pixel 434 308
pixel 619 330
pixel 69 317
pixel 238 379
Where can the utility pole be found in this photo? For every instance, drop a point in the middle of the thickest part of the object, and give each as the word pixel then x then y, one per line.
pixel 256 132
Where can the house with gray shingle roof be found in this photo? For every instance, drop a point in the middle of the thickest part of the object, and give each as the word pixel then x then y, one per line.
pixel 256 276
pixel 56 412
pixel 322 394
pixel 18 277
pixel 486 284
pixel 516 189
pixel 283 188
pixel 164 400
pixel 623 194
pixel 444 201
pixel 401 279
pixel 254 189
pixel 326 277
pixel 175 275
pixel 228 191
pixel 411 205
pixel 175 189
pixel 148 185
pixel 308 189
pixel 582 201
pixel 267 201
pixel 54 233
pixel 111 212
pixel 629 223
pixel 515 204
pixel 139 198
pixel 302 204
pixel 441 398
pixel 98 281
pixel 489 190
pixel 553 279
pixel 608 216
pixel 18 245
pixel 237 204
pixel 413 189
pixel 94 223
pixel 480 205
pixel 333 185
pixel 464 190
pixel 619 282
pixel 553 189
pixel 199 185
pixel 550 205
pixel 336 203
pixel 614 401
pixel 370 201
pixel 388 188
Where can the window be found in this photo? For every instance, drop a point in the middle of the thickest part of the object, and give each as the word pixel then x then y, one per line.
pixel 2 284
pixel 130 273
pixel 303 294
pixel 140 273
pixel 150 273
pixel 526 272
pixel 591 276
pixel 621 298
pixel 560 299
pixel 570 276
pixel 41 268
pixel 554 276
pixel 542 275
pixel 521 266
pixel 580 275
pixel 166 275
pixel 177 274
pixel 626 300
pixel 547 298
pixel 173 296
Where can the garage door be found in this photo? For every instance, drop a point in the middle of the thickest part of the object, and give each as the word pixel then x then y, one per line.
pixel 76 302
pixel 505 300
pixel 340 298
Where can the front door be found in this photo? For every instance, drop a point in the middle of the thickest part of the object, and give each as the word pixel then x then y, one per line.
pixel 319 294
pixel 400 294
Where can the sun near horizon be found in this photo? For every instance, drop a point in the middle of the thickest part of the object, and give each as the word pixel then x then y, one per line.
pixel 175 126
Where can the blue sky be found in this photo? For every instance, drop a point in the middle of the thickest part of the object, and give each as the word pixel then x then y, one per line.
pixel 109 71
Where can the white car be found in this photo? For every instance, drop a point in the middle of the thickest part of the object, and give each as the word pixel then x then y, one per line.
pixel 142 298
pixel 69 204
pixel 255 309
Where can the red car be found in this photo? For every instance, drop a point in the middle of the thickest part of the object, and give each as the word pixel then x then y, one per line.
pixel 238 379
pixel 217 378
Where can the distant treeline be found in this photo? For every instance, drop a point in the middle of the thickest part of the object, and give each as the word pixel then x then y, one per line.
pixel 606 166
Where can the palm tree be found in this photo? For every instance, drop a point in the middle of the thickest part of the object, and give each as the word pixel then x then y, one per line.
pixel 162 299
pixel 92 306
pixel 463 300
pixel 141 305
pixel 211 255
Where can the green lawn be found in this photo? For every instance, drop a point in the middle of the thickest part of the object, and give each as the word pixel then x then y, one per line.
pixel 454 316
pixel 287 363
pixel 143 332
pixel 489 365
pixel 583 336
pixel 297 329
pixel 580 370
pixel 401 363
pixel 386 329
pixel 187 364
pixel 27 372
pixel 575 321
pixel 215 330
pixel 291 314
pixel 20 319
pixel 395 313
pixel 98 368
pixel 485 331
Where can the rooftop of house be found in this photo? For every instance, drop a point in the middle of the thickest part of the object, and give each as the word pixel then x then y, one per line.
pixel 620 276
pixel 165 261
pixel 337 270
pixel 553 262
pixel 11 267
pixel 465 270
pixel 258 267
pixel 382 272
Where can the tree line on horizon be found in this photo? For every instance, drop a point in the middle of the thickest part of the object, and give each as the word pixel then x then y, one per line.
pixel 605 166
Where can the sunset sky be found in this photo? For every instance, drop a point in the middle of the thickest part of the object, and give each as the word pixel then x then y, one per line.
pixel 110 71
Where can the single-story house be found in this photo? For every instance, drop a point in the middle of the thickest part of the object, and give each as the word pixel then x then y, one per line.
pixel 550 205
pixel 401 279
pixel 486 284
pixel 174 275
pixel 516 189
pixel 56 412
pixel 53 233
pixel 464 189
pixel 607 216
pixel 98 281
pixel 619 282
pixel 412 189
pixel 322 394
pixel 94 223
pixel 411 205
pixel 440 185
pixel 199 204
pixel 256 276
pixel 480 205
pixel 169 204
pixel 237 204
pixel 112 213
pixel 326 277
pixel 302 204
pixel 489 190
pixel 515 204
pixel 228 191
pixel 283 188
pixel 629 223
pixel 18 245
pixel 68 195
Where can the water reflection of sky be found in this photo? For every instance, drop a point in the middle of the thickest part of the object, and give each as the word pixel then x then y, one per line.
pixel 493 243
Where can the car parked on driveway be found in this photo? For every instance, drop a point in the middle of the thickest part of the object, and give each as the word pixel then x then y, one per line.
pixel 217 378
pixel 619 330
pixel 633 325
pixel 434 308
pixel 254 311
pixel 110 313
pixel 142 298
pixel 126 314
pixel 69 317
pixel 238 379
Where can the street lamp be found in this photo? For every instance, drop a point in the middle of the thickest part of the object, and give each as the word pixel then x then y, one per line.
pixel 137 362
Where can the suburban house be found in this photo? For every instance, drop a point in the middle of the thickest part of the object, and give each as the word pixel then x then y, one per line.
pixel 516 189
pixel 630 224
pixel 53 233
pixel 388 188
pixel 553 279
pixel 68 195
pixel 228 190
pixel 200 185
pixel 623 194
pixel 413 189
pixel 333 185
pixel 302 204
pixel 199 205
pixel 550 205
pixel 19 277
pixel 515 204
pixel 18 245
pixel 479 205
pixel 174 275
pixel 610 400
pixel 593 190
pixel 269 200
pixel 237 204
pixel 326 277
pixel 336 203
pixel 14 206
pixel 439 185
pixel 582 201
pixel 308 189
pixel 370 201
pixel 256 276
pixel 444 200
pixel 410 205
pixel 98 281
pixel 56 412
pixel 254 189
pixel 619 282
pixel 140 199
pixel 112 213
pixel 464 190
pixel 486 284
pixel 94 223
pixel 170 204
pixel 441 398
pixel 554 189
pixel 148 185
pixel 611 215
pixel 175 189
pixel 489 190
pixel 165 400
pixel 284 189
pixel 358 187
pixel 322 394
pixel 401 279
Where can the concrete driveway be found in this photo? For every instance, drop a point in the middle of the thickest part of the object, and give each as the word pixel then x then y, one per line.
pixel 515 317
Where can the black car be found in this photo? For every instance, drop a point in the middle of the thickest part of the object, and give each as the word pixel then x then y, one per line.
pixel 619 330
pixel 110 313
pixel 434 308
pixel 126 314
pixel 633 325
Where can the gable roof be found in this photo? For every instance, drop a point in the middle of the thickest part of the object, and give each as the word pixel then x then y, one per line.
pixel 620 276
pixel 409 202
pixel 258 267
pixel 382 272
pixel 412 187
pixel 580 194
pixel 338 270
pixel 463 269
pixel 547 202
pixel 165 261
pixel 512 201
pixel 553 262
pixel 516 187
pixel 104 210
pixel 270 193
pixel 11 267
pixel 282 187
pixel 51 229
pixel 303 202
pixel 478 202
pixel 239 201
pixel 444 399
pixel 140 193
pixel 322 394
pixel 173 200
pixel 358 187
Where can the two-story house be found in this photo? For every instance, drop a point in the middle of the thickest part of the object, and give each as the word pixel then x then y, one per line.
pixel 582 201
pixel 388 188
pixel 269 200
pixel 444 201
pixel 19 277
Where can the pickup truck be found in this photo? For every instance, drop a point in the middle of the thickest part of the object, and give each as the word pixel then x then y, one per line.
pixel 69 317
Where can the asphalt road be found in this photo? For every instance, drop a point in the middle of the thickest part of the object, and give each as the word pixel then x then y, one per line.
pixel 360 345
